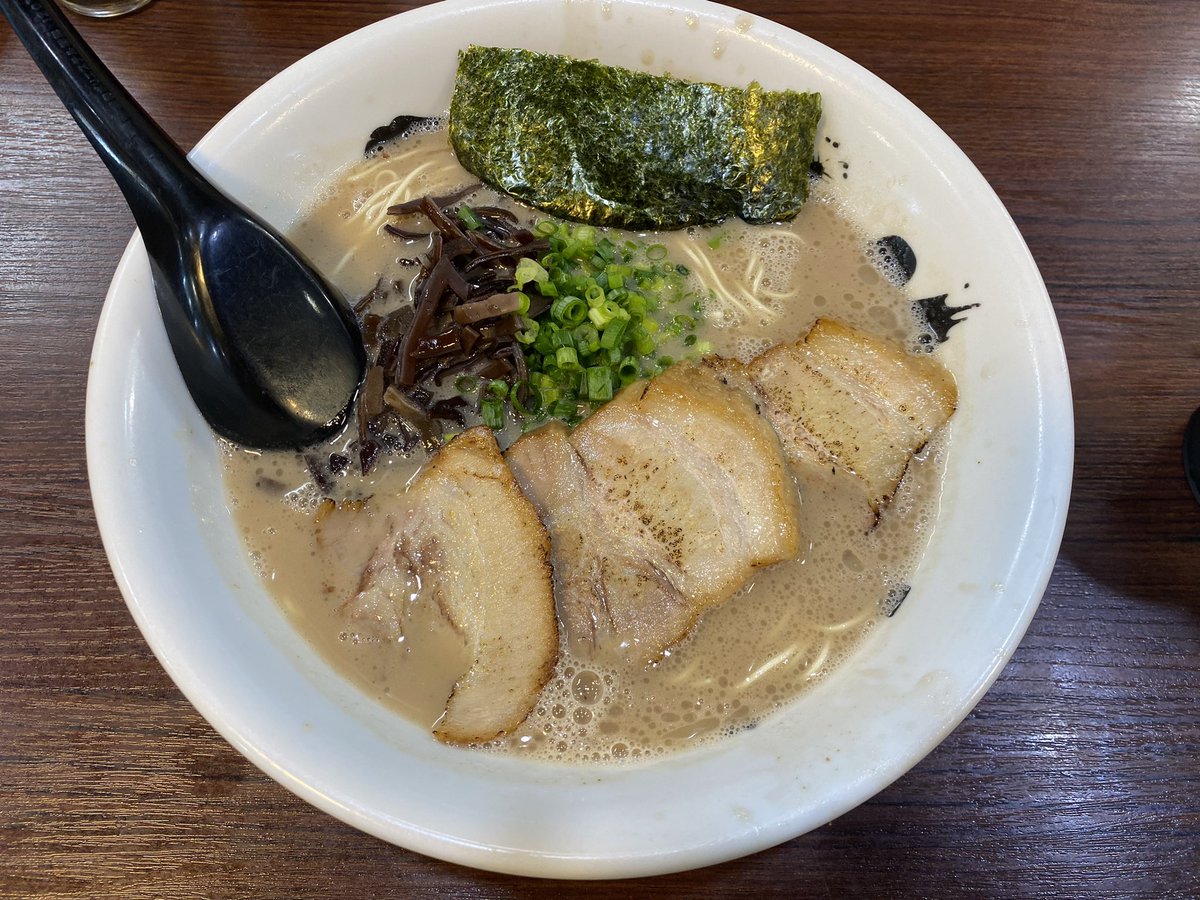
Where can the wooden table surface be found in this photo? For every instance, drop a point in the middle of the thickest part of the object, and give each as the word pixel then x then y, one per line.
pixel 1078 774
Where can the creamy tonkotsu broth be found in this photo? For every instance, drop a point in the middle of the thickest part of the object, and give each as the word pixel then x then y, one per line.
pixel 784 631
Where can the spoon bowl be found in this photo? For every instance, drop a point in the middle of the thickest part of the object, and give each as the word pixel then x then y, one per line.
pixel 270 353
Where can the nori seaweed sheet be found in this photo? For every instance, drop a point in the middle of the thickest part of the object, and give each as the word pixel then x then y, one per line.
pixel 610 146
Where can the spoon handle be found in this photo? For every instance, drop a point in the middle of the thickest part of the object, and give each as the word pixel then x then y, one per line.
pixel 147 165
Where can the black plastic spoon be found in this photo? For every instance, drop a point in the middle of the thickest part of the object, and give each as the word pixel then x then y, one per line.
pixel 271 354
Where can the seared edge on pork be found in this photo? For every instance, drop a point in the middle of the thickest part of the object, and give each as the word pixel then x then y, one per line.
pixel 660 505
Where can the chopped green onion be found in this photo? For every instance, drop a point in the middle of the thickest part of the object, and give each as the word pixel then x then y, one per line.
pixel 643 344
pixel 602 316
pixel 587 338
pixel 599 383
pixel 544 342
pixel 498 388
pixel 566 358
pixel 530 332
pixel 529 270
pixel 628 371
pixel 514 399
pixel 569 310
pixel 610 338
pixel 603 327
pixel 491 410
pixel 564 409
pixel 467 216
pixel 617 274
pixel 466 384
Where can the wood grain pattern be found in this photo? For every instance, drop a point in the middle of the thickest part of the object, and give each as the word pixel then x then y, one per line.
pixel 1078 774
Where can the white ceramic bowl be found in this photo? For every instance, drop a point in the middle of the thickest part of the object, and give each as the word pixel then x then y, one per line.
pixel 158 493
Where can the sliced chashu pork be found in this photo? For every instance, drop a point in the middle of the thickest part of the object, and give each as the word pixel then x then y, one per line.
pixel 845 398
pixel 468 540
pixel 660 505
